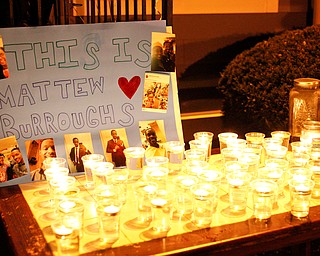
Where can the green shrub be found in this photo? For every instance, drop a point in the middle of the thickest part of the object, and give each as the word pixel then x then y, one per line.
pixel 255 85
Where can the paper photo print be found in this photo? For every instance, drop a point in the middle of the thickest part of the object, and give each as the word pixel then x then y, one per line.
pixel 153 137
pixel 37 151
pixel 4 70
pixel 155 92
pixel 114 141
pixel 163 53
pixel 12 163
pixel 77 146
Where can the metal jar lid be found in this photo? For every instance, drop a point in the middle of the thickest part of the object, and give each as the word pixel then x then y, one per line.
pixel 307 83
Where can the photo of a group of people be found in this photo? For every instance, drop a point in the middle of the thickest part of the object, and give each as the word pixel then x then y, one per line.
pixel 12 164
pixel 114 142
pixel 163 54
pixel 156 92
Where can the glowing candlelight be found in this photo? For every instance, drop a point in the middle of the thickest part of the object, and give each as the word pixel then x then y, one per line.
pixel 159 201
pixel 263 189
pixel 67 205
pixel 302 188
pixel 150 189
pixel 201 192
pixel 63 230
pixel 188 182
pixel 236 182
pixel 111 209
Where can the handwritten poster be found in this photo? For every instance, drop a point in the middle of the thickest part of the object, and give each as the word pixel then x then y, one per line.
pixel 67 81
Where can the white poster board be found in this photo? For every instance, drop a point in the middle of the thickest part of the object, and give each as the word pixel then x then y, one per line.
pixel 72 80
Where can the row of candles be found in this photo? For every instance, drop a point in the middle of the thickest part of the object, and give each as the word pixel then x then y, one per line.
pixel 109 187
pixel 187 183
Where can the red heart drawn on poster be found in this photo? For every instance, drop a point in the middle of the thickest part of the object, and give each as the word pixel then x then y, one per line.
pixel 129 88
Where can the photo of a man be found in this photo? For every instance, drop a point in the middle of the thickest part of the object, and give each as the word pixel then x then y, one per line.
pixel 4 71
pixel 17 163
pixel 153 137
pixel 76 154
pixel 38 151
pixel 115 147
pixel 114 142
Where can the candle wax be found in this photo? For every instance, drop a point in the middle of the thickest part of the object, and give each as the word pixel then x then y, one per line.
pixel 201 192
pixel 187 182
pixel 159 201
pixel 149 189
pixel 111 209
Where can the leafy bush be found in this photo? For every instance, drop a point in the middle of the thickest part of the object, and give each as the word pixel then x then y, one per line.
pixel 256 83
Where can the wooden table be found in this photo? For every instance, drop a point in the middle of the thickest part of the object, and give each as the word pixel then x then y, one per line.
pixel 24 230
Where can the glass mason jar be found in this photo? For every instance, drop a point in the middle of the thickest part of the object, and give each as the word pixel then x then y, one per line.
pixel 303 103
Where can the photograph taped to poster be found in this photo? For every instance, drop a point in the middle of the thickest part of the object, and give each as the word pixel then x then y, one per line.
pixel 156 92
pixel 153 137
pixel 79 79
pixel 163 54
pixel 114 142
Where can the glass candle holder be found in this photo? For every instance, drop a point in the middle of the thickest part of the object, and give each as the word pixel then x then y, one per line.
pixel 52 162
pixel 224 137
pixel 273 174
pixel 284 135
pixel 158 175
pixel 195 167
pixel 89 163
pixel 195 154
pixel 102 173
pixel 144 191
pixel 263 192
pixel 205 137
pixel 201 145
pixel 204 203
pixel 162 210
pixel 175 154
pixel 310 130
pixel 314 167
pixel 158 161
pixel 236 143
pixel 276 151
pixel 108 211
pixel 238 185
pixel 300 195
pixel 134 161
pixel 255 138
